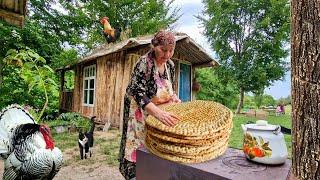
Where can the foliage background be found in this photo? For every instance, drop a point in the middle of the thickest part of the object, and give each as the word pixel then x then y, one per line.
pixel 63 31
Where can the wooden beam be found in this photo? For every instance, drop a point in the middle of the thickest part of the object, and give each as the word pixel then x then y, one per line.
pixel 206 64
pixel 66 68
pixel 12 18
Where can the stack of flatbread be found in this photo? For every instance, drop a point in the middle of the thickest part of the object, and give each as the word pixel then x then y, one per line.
pixel 201 134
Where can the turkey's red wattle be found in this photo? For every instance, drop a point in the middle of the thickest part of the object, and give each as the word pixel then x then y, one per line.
pixel 47 137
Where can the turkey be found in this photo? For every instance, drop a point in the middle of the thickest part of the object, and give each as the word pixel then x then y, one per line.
pixel 26 147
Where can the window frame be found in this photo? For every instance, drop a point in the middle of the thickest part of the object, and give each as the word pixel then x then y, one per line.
pixel 86 91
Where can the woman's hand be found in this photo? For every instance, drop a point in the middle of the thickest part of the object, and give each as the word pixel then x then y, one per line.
pixel 167 118
pixel 175 99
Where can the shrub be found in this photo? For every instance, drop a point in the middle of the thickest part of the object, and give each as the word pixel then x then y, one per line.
pixel 77 120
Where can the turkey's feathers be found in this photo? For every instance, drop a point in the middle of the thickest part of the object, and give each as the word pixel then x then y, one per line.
pixel 10 174
pixel 11 117
pixel 24 147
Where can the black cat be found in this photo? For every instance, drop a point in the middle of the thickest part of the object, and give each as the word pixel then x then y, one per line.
pixel 86 140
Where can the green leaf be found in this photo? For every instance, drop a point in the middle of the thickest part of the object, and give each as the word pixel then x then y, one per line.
pixel 11 52
pixel 48 68
pixel 29 65
pixel 52 82
pixel 31 85
pixel 41 59
pixel 33 54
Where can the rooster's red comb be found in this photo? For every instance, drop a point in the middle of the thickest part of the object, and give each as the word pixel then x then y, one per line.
pixel 104 19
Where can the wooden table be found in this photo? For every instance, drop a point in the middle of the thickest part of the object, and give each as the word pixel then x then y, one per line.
pixel 271 111
pixel 231 165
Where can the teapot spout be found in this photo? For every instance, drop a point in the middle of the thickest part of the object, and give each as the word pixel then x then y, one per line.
pixel 244 128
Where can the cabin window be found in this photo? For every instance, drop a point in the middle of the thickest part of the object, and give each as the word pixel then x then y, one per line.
pixel 89 73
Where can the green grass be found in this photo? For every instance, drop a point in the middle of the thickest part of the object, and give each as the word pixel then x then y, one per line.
pixel 237 133
pixel 111 149
pixel 65 140
pixel 107 146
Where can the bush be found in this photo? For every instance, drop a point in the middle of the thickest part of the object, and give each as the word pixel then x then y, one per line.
pixel 75 119
pixel 69 116
pixel 57 122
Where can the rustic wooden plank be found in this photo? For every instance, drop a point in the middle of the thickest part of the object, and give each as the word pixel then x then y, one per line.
pixel 110 89
pixel 12 18
pixel 16 6
pixel 114 90
pixel 9 4
pixel 122 89
pixel 22 6
pixel 105 94
pixel 188 53
pixel 87 111
pixel 117 100
pixel 77 84
pixel 100 89
pixel 118 89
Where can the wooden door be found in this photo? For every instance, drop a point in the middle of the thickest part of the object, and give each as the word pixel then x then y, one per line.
pixel 185 82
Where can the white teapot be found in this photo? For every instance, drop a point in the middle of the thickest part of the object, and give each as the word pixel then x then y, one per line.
pixel 264 143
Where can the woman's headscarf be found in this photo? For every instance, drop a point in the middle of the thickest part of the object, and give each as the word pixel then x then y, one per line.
pixel 163 38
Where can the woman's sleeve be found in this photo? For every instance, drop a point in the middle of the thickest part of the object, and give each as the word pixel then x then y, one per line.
pixel 138 85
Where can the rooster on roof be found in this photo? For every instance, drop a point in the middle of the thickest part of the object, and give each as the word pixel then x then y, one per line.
pixel 110 34
pixel 27 147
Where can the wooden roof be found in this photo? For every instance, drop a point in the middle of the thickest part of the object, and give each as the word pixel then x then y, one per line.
pixel 13 11
pixel 185 45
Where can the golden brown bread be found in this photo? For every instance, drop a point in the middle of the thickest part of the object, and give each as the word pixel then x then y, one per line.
pixel 201 134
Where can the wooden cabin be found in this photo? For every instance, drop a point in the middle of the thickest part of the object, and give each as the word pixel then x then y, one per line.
pixel 101 78
pixel 13 11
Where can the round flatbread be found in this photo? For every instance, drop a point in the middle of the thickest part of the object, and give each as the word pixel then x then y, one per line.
pixel 197 118
pixel 201 134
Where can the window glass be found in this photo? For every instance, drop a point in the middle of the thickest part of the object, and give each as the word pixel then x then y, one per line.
pixel 91 96
pixel 91 83
pixel 85 84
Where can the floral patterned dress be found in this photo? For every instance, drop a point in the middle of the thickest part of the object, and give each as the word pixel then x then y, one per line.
pixel 146 85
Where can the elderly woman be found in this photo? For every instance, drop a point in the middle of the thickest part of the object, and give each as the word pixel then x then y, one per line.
pixel 150 85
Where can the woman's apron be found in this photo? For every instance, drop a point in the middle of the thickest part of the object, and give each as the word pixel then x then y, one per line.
pixel 136 124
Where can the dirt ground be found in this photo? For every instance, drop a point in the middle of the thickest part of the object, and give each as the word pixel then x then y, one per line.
pixel 94 168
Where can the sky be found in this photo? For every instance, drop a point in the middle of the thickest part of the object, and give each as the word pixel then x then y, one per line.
pixel 192 26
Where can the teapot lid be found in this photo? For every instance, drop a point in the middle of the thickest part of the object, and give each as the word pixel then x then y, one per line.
pixel 262 125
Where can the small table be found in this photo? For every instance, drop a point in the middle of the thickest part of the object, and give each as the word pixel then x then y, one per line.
pixel 271 111
pixel 231 165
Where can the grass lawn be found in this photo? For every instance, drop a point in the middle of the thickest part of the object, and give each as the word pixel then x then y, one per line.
pixel 107 145
pixel 237 133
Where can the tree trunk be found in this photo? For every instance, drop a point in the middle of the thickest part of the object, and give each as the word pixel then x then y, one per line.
pixel 305 77
pixel 240 104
